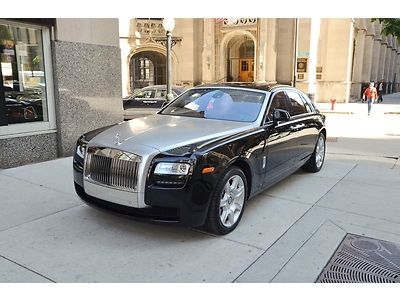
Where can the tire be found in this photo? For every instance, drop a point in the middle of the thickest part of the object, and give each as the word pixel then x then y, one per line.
pixel 227 204
pixel 316 161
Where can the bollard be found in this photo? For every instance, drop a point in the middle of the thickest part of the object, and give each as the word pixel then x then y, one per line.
pixel 333 101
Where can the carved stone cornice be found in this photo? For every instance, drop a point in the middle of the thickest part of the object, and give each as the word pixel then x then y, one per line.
pixel 152 31
pixel 239 23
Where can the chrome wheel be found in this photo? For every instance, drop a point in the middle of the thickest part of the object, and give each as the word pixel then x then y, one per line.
pixel 232 200
pixel 320 151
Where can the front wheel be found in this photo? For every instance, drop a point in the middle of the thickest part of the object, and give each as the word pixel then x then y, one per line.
pixel 227 203
pixel 315 162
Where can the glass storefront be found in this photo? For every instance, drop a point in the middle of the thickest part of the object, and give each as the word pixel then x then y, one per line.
pixel 23 93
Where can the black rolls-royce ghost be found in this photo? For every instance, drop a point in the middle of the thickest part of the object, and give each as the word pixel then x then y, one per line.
pixel 203 156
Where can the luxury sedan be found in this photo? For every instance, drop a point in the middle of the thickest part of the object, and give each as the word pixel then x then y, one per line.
pixel 148 100
pixel 203 156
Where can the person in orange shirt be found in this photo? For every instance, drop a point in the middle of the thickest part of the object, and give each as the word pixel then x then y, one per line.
pixel 370 94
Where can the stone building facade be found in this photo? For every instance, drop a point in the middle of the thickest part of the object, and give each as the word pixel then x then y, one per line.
pixel 59 79
pixel 323 57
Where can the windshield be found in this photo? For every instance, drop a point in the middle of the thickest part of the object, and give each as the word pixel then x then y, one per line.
pixel 220 104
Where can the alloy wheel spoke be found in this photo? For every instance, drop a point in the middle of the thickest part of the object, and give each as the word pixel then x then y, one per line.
pixel 224 214
pixel 224 201
pixel 234 183
pixel 231 217
pixel 238 192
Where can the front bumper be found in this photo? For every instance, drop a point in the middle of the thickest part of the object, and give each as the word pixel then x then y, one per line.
pixel 187 206
pixel 154 214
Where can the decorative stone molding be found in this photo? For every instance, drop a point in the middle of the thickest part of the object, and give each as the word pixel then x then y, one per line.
pixel 242 22
pixel 150 27
pixel 152 31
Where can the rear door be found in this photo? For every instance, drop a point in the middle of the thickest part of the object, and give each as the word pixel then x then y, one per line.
pixel 304 128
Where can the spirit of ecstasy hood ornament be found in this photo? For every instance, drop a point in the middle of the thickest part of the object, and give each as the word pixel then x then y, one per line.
pixel 117 142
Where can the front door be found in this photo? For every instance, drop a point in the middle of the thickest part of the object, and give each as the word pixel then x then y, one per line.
pixel 280 148
pixel 246 67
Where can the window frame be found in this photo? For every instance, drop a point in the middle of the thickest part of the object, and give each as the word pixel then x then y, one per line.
pixel 40 127
pixel 266 119
pixel 302 101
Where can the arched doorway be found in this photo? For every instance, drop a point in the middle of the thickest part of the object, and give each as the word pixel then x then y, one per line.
pixel 147 68
pixel 240 59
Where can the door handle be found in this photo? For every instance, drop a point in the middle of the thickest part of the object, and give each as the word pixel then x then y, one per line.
pixel 297 127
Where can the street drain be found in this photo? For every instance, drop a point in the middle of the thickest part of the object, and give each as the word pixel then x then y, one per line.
pixel 362 259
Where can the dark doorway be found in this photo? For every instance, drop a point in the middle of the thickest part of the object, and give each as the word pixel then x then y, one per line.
pixel 147 68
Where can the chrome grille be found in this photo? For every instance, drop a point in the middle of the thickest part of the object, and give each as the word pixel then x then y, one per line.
pixel 112 168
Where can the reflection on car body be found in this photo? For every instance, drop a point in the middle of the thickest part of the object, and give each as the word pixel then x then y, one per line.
pixel 148 100
pixel 203 156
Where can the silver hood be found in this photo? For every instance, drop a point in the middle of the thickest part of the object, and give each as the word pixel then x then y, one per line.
pixel 164 132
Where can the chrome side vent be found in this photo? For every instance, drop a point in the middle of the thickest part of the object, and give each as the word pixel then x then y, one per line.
pixel 111 167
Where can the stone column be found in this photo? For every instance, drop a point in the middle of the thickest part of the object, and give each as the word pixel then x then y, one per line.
pixel 376 52
pixel 88 78
pixel 208 57
pixel 393 64
pixel 368 53
pixel 312 73
pixel 124 26
pixel 349 60
pixel 397 72
pixel 382 60
pixel 270 52
pixel 388 57
pixel 358 58
pixel 262 30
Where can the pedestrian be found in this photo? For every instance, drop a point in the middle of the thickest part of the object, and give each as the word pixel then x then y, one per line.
pixel 370 95
pixel 381 86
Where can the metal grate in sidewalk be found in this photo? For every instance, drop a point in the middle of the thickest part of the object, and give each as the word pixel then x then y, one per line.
pixel 363 259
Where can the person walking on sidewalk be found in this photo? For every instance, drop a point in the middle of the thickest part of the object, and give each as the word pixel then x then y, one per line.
pixel 381 86
pixel 370 94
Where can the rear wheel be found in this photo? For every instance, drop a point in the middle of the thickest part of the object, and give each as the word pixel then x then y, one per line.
pixel 227 203
pixel 314 164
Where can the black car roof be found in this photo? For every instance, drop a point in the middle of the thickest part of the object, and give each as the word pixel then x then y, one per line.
pixel 250 85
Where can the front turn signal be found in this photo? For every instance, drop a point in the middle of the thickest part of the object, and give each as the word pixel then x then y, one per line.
pixel 208 170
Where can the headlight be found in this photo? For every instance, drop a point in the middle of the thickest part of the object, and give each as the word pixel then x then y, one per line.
pixel 164 168
pixel 81 148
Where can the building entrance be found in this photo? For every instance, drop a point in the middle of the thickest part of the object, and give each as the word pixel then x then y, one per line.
pixel 240 62
pixel 147 68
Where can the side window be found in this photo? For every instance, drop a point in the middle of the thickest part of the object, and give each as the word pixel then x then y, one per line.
pixel 297 106
pixel 309 106
pixel 161 94
pixel 279 101
pixel 145 94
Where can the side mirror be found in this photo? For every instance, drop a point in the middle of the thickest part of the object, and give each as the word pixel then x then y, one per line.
pixel 280 115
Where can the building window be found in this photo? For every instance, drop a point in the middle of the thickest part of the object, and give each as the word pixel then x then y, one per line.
pixel 26 102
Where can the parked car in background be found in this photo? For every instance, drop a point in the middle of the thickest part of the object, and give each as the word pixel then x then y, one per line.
pixel 148 100
pixel 21 111
pixel 201 157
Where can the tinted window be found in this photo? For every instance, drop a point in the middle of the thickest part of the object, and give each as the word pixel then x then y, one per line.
pixel 309 105
pixel 297 106
pixel 220 104
pixel 279 101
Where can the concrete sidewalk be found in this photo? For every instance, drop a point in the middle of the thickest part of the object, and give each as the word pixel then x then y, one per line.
pixel 390 105
pixel 287 234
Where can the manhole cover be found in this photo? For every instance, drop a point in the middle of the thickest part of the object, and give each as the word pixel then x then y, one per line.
pixel 362 259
